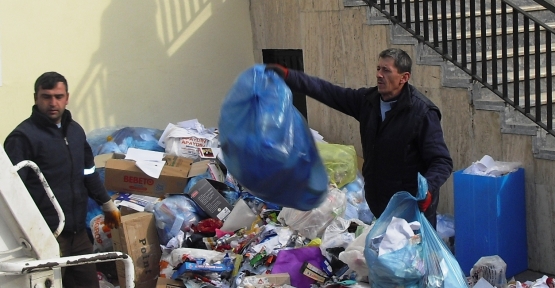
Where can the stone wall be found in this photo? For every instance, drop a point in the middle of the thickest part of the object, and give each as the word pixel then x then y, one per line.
pixel 340 47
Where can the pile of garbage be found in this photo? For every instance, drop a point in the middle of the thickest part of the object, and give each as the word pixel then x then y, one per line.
pixel 262 242
pixel 273 205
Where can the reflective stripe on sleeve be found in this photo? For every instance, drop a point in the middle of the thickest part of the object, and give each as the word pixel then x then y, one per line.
pixel 89 171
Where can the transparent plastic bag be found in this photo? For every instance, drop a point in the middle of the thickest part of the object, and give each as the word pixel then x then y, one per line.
pixel 312 224
pixel 336 234
pixel 357 206
pixel 173 214
pixel 492 269
pixel 103 281
pixel 340 162
pixel 428 263
pixel 445 225
pixel 267 145
pixel 446 230
pixel 98 137
pixel 102 234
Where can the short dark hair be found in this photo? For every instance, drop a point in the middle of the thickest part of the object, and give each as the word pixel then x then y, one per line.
pixel 401 59
pixel 48 80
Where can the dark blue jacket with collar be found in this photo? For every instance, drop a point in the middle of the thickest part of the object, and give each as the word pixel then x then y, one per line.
pixel 66 160
pixel 408 141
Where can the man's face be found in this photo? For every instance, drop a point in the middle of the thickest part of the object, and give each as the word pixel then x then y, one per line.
pixel 52 102
pixel 390 81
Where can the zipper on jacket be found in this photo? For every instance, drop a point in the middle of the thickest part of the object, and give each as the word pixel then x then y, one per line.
pixel 74 228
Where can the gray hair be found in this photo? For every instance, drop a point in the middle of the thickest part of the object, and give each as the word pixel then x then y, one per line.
pixel 401 59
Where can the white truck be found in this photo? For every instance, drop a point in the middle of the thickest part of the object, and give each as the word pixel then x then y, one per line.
pixel 29 252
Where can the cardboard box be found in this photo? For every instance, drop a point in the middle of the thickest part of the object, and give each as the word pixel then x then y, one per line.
pixel 124 176
pixel 137 237
pixel 267 280
pixel 169 283
pixel 206 193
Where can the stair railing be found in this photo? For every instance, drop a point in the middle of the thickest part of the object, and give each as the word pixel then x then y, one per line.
pixel 550 6
pixel 456 32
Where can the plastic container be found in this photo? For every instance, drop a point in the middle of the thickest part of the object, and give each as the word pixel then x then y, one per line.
pixel 490 219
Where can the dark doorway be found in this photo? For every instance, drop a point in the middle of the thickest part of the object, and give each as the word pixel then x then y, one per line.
pixel 290 58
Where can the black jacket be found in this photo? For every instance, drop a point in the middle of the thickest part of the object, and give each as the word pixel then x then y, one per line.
pixel 66 160
pixel 408 141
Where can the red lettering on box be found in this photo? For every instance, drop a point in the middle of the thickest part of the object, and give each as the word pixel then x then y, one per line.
pixel 138 180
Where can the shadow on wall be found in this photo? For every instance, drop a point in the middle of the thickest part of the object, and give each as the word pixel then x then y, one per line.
pixel 139 73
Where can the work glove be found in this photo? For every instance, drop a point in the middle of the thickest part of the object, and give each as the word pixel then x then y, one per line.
pixel 424 204
pixel 112 216
pixel 280 70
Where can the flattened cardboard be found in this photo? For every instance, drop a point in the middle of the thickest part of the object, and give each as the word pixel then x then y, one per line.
pixel 137 237
pixel 199 167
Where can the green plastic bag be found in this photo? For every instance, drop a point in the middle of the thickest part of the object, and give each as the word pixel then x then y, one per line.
pixel 340 162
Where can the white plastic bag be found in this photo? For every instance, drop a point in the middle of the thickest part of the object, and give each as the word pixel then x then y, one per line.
pixel 186 138
pixel 312 223
pixel 353 255
pixel 337 234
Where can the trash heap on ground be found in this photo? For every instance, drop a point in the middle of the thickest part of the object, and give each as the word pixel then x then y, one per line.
pixel 230 238
pixel 262 201
pixel 195 223
pixel 213 230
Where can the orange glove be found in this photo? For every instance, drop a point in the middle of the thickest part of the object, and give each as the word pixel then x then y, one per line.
pixel 424 204
pixel 112 216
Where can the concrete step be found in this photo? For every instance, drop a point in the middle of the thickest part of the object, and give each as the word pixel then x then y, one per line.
pixel 513 120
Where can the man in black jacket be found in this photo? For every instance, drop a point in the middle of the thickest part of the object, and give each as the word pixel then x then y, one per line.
pixel 399 127
pixel 57 144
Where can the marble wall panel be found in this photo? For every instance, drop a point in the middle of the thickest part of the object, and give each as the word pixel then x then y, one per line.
pixel 321 5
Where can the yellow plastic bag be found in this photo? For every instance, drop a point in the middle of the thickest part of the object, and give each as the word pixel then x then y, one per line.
pixel 340 162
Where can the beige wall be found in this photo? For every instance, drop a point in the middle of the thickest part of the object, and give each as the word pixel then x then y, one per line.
pixel 131 63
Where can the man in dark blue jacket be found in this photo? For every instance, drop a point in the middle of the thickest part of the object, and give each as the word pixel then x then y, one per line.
pixel 399 127
pixel 57 144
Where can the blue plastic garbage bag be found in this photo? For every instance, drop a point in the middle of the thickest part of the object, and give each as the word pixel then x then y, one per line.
pixel 106 140
pixel 99 137
pixel 267 145
pixel 357 207
pixel 93 209
pixel 428 263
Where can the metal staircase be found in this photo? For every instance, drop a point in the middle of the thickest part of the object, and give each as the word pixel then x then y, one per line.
pixel 503 51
